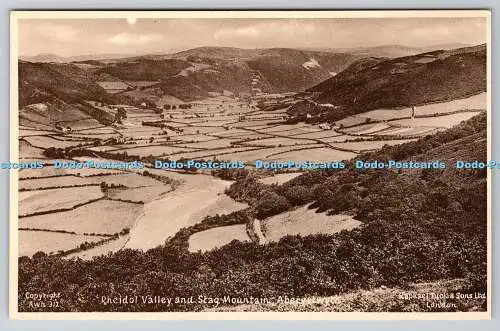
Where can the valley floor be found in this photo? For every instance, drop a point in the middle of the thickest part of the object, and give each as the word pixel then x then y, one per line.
pixel 142 211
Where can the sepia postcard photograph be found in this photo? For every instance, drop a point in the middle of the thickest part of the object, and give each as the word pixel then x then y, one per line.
pixel 250 165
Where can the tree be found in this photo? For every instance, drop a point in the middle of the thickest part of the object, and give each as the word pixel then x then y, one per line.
pixel 118 119
pixel 104 187
pixel 297 195
pixel 271 204
pixel 39 255
pixel 120 114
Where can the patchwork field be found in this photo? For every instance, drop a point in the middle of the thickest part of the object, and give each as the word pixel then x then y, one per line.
pixel 316 154
pixel 143 151
pixel 30 132
pixel 368 128
pixel 92 131
pixel 343 137
pixel 475 102
pixel 316 135
pixel 97 135
pixel 197 129
pixel 26 150
pixel 46 142
pixel 291 129
pixel 60 181
pixel 278 142
pixel 128 180
pixel 104 249
pixel 86 123
pixel 229 133
pixel 446 121
pixel 52 172
pixel 304 221
pixel 140 194
pixel 260 154
pixel 60 198
pixel 213 143
pixel 31 242
pixel 410 132
pixel 219 153
pixel 190 138
pixel 370 145
pixel 248 135
pixel 100 217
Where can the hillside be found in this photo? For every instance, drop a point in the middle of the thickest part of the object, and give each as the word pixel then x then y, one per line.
pixel 50 93
pixel 195 73
pixel 40 82
pixel 215 69
pixel 292 70
pixel 406 81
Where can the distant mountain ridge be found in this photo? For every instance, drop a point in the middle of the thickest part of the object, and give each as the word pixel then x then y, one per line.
pixel 391 51
pixel 234 52
pixel 51 57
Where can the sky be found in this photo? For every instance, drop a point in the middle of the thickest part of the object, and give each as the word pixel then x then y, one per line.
pixel 71 37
